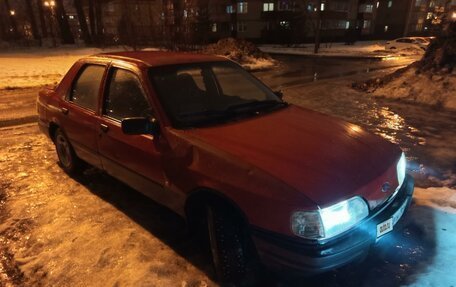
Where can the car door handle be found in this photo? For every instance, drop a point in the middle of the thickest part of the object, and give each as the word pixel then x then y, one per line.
pixel 104 128
pixel 64 111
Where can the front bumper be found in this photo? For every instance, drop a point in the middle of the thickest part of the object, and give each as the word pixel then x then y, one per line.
pixel 282 253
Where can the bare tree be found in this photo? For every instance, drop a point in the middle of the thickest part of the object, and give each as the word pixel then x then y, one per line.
pixel 93 32
pixel 99 20
pixel 317 27
pixel 39 5
pixel 31 18
pixel 233 19
pixel 82 21
pixel 64 26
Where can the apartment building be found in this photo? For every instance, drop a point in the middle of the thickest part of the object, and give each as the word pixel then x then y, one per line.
pixel 284 21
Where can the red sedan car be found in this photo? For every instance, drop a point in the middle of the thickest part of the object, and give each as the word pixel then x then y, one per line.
pixel 290 187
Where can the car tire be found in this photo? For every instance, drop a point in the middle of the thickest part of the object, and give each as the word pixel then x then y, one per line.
pixel 68 160
pixel 231 250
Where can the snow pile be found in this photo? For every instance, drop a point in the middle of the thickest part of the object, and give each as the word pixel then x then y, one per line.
pixel 430 81
pixel 442 198
pixel 437 90
pixel 241 51
pixel 359 49
pixel 39 66
pixel 411 51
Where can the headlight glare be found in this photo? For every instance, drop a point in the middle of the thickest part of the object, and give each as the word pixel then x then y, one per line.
pixel 401 169
pixel 343 216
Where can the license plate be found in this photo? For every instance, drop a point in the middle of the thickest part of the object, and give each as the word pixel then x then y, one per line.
pixel 384 227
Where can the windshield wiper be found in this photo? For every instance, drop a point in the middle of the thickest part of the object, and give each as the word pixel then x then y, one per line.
pixel 255 106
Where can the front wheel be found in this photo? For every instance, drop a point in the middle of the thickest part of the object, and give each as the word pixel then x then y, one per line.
pixel 68 159
pixel 232 252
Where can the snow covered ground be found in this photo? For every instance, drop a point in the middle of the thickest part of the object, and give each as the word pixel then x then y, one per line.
pixel 41 66
pixel 435 90
pixel 359 50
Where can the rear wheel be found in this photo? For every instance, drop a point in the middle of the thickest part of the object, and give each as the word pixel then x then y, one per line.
pixel 232 251
pixel 68 159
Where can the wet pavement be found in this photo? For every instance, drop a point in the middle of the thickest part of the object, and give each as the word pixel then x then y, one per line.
pixel 56 230
pixel 298 70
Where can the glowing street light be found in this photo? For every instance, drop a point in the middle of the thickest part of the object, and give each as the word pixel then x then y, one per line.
pixel 453 16
pixel 12 12
pixel 51 6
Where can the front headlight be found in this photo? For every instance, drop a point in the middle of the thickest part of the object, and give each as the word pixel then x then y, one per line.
pixel 400 169
pixel 330 221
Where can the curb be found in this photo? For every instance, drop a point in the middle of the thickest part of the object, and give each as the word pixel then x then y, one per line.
pixel 329 56
pixel 19 121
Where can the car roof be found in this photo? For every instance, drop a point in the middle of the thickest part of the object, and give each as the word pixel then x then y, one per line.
pixel 160 58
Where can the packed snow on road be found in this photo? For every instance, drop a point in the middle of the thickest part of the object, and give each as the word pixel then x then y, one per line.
pixel 57 230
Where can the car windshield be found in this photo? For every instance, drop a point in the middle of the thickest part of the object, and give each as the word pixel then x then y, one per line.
pixel 206 93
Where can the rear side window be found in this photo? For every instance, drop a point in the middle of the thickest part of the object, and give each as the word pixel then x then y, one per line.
pixel 87 86
pixel 125 97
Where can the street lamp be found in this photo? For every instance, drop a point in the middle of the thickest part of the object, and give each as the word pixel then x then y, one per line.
pixel 51 6
pixel 12 12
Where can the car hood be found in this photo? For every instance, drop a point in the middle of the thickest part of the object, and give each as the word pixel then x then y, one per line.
pixel 322 157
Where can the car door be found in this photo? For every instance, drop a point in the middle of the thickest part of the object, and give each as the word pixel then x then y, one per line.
pixel 134 159
pixel 79 111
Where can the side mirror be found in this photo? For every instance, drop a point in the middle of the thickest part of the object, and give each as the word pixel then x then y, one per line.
pixel 278 94
pixel 140 126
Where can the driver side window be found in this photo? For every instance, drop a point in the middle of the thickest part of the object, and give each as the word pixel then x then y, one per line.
pixel 125 97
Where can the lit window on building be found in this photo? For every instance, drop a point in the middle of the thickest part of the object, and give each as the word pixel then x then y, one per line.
pixel 366 24
pixel 431 4
pixel 369 8
pixel 378 3
pixel 386 28
pixel 309 7
pixel 267 7
pixel 322 7
pixel 214 27
pixel 229 9
pixel 390 4
pixel 185 14
pixel 429 15
pixel 70 17
pixel 242 7
pixel 241 26
pixel 347 24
